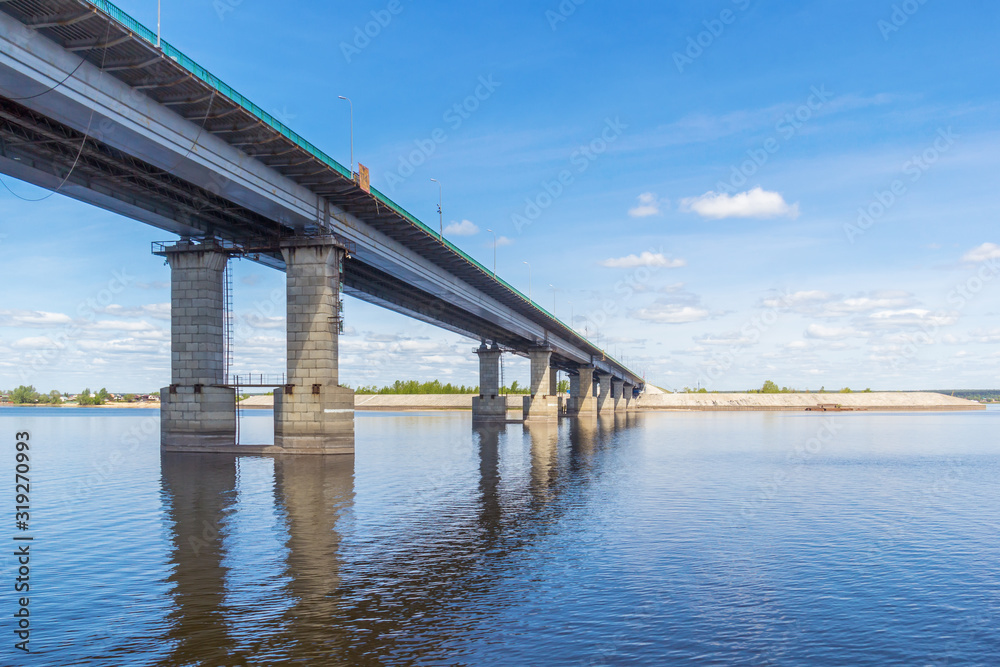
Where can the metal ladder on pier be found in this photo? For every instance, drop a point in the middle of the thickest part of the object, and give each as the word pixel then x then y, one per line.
pixel 227 333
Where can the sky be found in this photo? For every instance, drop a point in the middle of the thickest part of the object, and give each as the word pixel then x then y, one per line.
pixel 719 192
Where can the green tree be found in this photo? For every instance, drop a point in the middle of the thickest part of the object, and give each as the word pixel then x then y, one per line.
pixel 23 395
pixel 770 388
pixel 128 398
pixel 102 396
pixel 55 398
pixel 846 390
pixel 562 386
pixel 85 398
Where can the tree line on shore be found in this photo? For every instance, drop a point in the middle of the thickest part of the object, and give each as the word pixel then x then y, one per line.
pixel 770 387
pixel 435 387
pixel 28 395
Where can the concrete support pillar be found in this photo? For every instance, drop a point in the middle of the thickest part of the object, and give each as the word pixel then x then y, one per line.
pixel 617 400
pixel 313 414
pixel 627 400
pixel 542 403
pixel 489 406
pixel 605 406
pixel 194 410
pixel 582 402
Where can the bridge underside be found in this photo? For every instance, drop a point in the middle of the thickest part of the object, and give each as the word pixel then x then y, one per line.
pixel 39 150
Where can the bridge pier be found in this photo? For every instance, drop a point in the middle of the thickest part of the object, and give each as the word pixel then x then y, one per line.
pixel 542 404
pixel 605 405
pixel 313 414
pixel 582 402
pixel 195 410
pixel 617 399
pixel 489 406
pixel 627 400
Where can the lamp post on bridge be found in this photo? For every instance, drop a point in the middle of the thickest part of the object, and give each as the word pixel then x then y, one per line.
pixel 352 132
pixel 494 252
pixel 529 284
pixel 440 211
pixel 554 290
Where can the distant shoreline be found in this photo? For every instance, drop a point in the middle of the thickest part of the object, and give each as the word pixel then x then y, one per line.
pixel 731 402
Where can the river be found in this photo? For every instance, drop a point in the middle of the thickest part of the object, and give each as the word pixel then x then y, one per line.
pixel 660 538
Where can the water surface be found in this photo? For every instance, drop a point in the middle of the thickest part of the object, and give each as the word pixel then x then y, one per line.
pixel 670 538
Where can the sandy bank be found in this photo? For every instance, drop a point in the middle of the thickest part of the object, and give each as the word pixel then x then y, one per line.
pixel 651 402
pixel 858 401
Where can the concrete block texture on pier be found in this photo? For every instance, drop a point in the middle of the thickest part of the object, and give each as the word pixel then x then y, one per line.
pixel 313 413
pixel 542 403
pixel 489 405
pixel 582 402
pixel 605 403
pixel 194 409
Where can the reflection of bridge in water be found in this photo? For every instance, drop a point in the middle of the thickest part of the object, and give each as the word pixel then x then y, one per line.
pixel 391 600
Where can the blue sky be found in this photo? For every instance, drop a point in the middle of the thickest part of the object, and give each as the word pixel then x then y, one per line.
pixel 714 157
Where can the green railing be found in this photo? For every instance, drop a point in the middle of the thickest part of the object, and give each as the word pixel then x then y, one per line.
pixel 220 86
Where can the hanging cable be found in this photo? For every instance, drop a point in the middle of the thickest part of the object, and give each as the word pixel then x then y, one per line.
pixel 86 134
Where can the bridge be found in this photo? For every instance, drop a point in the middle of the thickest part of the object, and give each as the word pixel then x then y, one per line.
pixel 95 106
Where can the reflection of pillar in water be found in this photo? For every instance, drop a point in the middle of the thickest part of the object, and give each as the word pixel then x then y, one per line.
pixel 314 491
pixel 583 436
pixel 199 490
pixel 544 456
pixel 489 476
pixel 621 420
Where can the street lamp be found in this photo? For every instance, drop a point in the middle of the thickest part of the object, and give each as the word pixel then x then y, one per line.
pixel 159 4
pixel 553 298
pixel 440 212
pixel 494 252
pixel 352 132
pixel 529 283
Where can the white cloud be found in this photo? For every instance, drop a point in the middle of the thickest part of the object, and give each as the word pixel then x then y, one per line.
pixel 503 240
pixel 671 314
pixel 160 311
pixel 983 253
pixel 645 259
pixel 913 317
pixel 797 299
pixel 32 318
pixel 756 203
pixel 831 333
pixel 649 204
pixel 464 228
pixel 730 339
pixel 36 343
